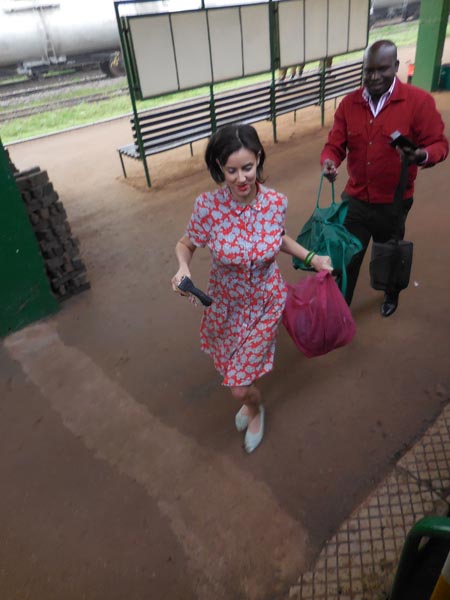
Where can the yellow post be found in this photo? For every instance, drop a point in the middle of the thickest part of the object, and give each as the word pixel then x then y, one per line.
pixel 442 589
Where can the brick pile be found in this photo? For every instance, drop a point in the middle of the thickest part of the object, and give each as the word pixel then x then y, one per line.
pixel 60 250
pixel 12 166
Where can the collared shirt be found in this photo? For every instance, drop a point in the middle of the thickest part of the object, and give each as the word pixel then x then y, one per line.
pixel 373 165
pixel 381 102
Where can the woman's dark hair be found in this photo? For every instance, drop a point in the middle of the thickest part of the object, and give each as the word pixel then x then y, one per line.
pixel 229 139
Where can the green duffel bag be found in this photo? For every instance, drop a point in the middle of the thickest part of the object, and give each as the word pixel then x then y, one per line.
pixel 325 234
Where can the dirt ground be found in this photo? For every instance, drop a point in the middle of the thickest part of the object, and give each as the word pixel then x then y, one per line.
pixel 122 475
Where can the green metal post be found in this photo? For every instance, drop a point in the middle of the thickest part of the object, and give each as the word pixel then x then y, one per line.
pixel 427 527
pixel 212 103
pixel 25 294
pixel 322 94
pixel 212 108
pixel 274 60
pixel 430 43
pixel 131 86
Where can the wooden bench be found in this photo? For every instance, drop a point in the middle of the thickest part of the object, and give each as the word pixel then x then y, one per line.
pixel 245 105
pixel 175 125
pixel 168 127
pixel 342 79
pixel 314 88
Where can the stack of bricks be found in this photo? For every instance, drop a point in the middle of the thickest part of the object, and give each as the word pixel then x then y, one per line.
pixel 60 250
pixel 12 166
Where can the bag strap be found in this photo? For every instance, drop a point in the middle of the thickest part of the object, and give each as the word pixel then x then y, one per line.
pixel 320 189
pixel 399 192
pixel 344 272
pixel 343 268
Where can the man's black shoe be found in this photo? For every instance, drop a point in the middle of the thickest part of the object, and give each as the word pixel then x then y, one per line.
pixel 390 304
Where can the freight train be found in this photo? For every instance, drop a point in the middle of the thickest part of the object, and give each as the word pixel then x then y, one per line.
pixel 38 35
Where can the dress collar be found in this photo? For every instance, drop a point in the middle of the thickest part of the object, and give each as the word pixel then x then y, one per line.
pixel 238 207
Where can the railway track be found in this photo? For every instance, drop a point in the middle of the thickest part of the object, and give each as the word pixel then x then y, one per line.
pixel 20 113
pixel 6 92
pixel 7 83
pixel 26 98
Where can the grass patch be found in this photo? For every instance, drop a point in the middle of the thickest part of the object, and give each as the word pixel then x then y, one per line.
pixel 57 120
pixel 402 34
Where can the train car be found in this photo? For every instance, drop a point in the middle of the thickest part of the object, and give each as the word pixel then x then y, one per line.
pixel 36 35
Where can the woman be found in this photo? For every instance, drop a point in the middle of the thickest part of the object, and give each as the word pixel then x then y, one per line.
pixel 242 224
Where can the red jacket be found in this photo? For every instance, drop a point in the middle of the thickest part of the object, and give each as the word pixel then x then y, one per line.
pixel 373 165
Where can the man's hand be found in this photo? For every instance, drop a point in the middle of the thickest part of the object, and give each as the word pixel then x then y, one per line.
pixel 329 170
pixel 417 156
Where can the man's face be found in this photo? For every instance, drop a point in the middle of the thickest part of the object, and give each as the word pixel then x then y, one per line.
pixel 380 67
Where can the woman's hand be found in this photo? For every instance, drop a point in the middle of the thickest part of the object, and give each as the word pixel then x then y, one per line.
pixel 318 263
pixel 184 251
pixel 176 279
pixel 321 263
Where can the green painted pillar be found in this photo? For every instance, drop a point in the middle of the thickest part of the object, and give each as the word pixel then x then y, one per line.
pixel 430 43
pixel 25 294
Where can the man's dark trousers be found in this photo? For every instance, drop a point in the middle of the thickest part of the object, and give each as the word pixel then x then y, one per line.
pixel 366 220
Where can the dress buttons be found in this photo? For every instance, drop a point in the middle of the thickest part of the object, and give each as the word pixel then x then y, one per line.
pixel 371 121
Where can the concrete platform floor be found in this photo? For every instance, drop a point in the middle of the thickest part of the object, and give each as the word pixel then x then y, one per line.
pixel 361 559
pixel 121 473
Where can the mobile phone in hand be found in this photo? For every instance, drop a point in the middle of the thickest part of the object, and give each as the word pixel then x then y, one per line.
pixel 186 285
pixel 400 141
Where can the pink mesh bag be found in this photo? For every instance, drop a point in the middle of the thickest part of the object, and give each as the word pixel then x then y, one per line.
pixel 316 315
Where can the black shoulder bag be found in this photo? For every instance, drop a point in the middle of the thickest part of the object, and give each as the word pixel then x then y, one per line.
pixel 390 263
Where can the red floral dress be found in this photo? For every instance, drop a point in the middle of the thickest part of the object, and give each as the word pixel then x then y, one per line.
pixel 239 329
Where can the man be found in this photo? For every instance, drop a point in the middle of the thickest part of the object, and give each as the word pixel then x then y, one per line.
pixel 361 132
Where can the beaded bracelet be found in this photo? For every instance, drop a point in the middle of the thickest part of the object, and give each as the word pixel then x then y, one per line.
pixel 309 258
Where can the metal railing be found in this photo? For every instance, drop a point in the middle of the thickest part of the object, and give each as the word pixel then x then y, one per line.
pixel 430 527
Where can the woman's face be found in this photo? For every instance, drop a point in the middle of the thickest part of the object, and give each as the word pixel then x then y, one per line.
pixel 240 174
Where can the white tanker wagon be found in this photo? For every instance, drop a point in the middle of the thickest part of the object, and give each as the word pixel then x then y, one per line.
pixel 38 34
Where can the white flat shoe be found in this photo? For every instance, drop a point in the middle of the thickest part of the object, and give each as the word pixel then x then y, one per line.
pixel 240 420
pixel 253 440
